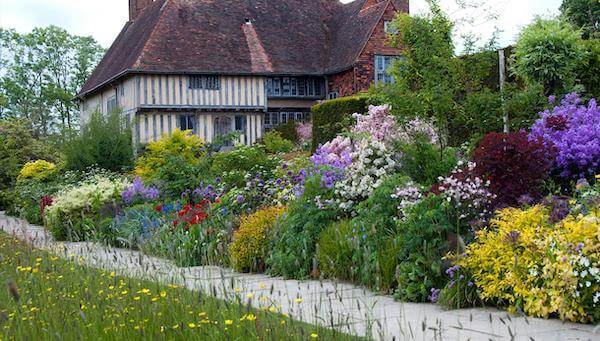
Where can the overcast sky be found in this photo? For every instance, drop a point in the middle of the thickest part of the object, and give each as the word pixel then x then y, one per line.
pixel 104 19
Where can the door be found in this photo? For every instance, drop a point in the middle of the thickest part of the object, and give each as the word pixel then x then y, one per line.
pixel 223 126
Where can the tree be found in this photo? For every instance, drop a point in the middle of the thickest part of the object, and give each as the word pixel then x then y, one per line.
pixel 425 75
pixel 583 14
pixel 548 52
pixel 40 74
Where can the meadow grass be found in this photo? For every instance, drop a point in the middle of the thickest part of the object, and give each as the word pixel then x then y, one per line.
pixel 48 298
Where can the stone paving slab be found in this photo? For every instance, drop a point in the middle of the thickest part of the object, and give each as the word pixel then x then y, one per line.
pixel 339 305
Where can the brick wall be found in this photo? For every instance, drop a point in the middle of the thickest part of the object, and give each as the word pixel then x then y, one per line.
pixel 364 68
pixel 343 83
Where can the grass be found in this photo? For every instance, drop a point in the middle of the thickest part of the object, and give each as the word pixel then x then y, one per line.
pixel 51 298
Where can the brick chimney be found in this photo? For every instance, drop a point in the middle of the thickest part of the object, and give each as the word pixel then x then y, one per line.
pixel 136 7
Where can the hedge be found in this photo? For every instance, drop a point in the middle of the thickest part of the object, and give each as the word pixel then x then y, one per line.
pixel 333 116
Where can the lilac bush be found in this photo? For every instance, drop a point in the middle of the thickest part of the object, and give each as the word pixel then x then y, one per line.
pixel 335 153
pixel 137 191
pixel 304 131
pixel 378 123
pixel 573 130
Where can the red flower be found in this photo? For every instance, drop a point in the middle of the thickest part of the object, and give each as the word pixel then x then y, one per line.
pixel 158 208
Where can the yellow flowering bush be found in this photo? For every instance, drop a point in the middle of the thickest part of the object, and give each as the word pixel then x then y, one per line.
pixel 527 263
pixel 250 243
pixel 181 143
pixel 37 170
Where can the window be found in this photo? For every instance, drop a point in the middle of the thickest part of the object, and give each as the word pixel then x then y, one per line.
pixel 204 82
pixel 187 122
pixel 295 87
pixel 389 28
pixel 273 119
pixel 333 95
pixel 240 123
pixel 382 67
pixel 111 104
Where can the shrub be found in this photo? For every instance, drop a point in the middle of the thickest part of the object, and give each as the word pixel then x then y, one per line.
pixel 333 116
pixel 294 238
pixel 460 292
pixel 305 133
pixel 542 269
pixel 177 174
pixel 423 241
pixel 237 163
pixel 249 247
pixel 275 143
pixel 573 130
pixel 335 251
pixel 515 166
pixel 37 170
pixel 288 131
pixel 548 52
pixel 104 141
pixel 425 163
pixel 76 210
pixel 138 192
pixel 589 68
pixel 183 144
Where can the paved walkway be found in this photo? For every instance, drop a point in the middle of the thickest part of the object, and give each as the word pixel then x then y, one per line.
pixel 339 305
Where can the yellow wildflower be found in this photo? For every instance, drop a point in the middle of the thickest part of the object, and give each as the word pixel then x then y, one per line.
pixel 299 300
pixel 192 325
pixel 163 294
pixel 229 322
pixel 249 296
pixel 314 335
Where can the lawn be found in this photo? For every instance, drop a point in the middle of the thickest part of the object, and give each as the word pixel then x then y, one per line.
pixel 51 298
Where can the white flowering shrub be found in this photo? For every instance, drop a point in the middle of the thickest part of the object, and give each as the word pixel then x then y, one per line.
pixel 407 196
pixel 372 163
pixel 75 205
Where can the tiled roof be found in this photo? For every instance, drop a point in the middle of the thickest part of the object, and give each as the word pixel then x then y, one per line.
pixel 308 37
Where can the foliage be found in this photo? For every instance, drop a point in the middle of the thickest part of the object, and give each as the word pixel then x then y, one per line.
pixel 76 210
pixel 249 247
pixel 515 166
pixel 42 71
pixel 424 162
pixel 539 268
pixel 423 241
pixel 158 154
pixel 52 290
pixel 37 170
pixel 572 129
pixel 275 143
pixel 288 131
pixel 104 141
pixel 17 147
pixel 589 68
pixel 460 292
pixel 334 116
pixel 583 14
pixel 294 238
pixel 425 76
pixel 547 52
pixel 237 163
pixel 177 174
pixel 335 251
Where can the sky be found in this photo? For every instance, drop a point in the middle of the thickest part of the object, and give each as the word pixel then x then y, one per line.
pixel 104 19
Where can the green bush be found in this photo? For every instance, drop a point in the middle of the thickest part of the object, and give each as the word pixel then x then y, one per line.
pixel 234 165
pixel 275 143
pixel 295 237
pixel 177 174
pixel 424 162
pixel 335 251
pixel 423 241
pixel 333 116
pixel 589 68
pixel 548 52
pixel 288 131
pixel 104 141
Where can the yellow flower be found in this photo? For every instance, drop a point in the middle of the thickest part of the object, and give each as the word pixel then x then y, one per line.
pixel 249 296
pixel 113 274
pixel 597 176
pixel 124 292
pixel 163 294
pixel 251 317
pixel 175 326
pixel 237 290
pixel 137 298
pixel 229 322
pixel 314 335
pixel 192 325
pixel 299 300
pixel 154 299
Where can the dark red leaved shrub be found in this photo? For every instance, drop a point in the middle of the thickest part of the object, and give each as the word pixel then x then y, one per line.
pixel 515 166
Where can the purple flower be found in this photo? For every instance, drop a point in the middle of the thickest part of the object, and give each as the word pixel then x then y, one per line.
pixel 240 199
pixel 434 295
pixel 470 284
pixel 579 247
pixel 138 190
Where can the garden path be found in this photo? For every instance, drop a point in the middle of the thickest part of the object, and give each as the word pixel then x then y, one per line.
pixel 339 305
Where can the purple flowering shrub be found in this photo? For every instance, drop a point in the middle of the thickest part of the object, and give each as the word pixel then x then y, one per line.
pixel 335 153
pixel 573 129
pixel 377 123
pixel 137 192
pixel 305 133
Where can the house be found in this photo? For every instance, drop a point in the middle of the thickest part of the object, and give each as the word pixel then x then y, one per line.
pixel 238 65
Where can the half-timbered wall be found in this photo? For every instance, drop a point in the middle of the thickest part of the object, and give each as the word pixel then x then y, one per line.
pixel 173 91
pixel 151 126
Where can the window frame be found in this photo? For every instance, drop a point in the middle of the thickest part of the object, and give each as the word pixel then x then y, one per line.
pixel 204 82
